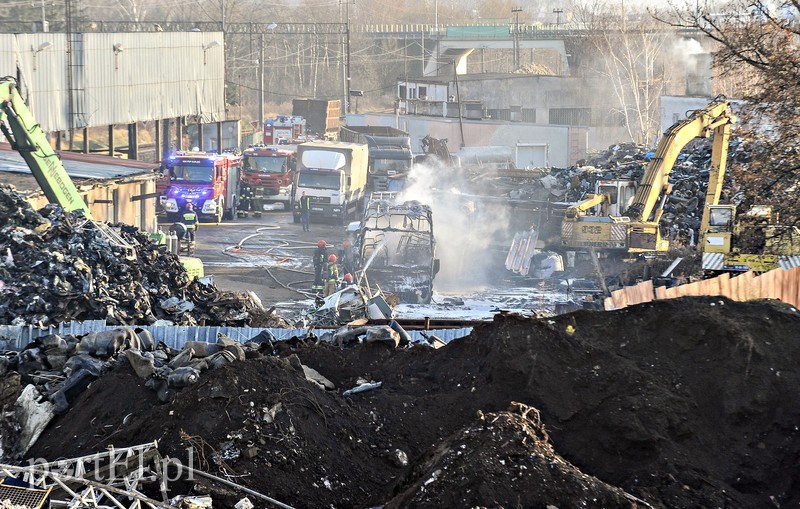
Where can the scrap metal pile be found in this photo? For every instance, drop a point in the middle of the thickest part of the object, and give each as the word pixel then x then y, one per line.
pixel 57 267
pixel 689 177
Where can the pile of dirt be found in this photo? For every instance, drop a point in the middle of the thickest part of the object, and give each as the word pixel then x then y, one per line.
pixel 683 403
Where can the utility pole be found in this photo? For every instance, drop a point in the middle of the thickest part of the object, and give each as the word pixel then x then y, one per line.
pixel 45 28
pixel 558 12
pixel 261 87
pixel 515 11
pixel 347 30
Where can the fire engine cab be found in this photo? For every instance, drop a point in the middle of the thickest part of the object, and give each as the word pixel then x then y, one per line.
pixel 207 179
pixel 267 177
pixel 284 130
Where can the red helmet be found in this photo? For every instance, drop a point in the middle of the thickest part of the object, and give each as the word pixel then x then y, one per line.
pixel 332 258
pixel 321 243
pixel 189 205
pixel 348 277
pixel 346 244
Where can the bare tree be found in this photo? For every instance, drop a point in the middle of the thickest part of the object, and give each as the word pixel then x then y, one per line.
pixel 759 56
pixel 631 48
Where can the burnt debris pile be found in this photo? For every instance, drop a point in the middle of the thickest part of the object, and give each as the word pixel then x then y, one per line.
pixel 58 267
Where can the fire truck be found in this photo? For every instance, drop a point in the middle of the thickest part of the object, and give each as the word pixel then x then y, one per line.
pixel 284 130
pixel 267 177
pixel 207 179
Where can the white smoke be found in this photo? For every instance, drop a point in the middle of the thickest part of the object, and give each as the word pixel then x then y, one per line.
pixel 686 46
pixel 470 233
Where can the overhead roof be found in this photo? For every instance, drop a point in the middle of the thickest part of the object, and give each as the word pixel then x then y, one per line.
pixel 82 168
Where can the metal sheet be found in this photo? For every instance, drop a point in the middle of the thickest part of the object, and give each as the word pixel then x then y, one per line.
pixel 92 167
pixel 15 337
pixel 149 76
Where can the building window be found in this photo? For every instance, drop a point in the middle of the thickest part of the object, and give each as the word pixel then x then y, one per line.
pixel 570 116
pixel 402 94
pixel 423 93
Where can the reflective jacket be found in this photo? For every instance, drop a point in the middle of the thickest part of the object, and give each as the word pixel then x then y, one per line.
pixel 331 272
pixel 189 219
pixel 305 203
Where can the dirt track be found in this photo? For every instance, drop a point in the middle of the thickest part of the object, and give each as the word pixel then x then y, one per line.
pixel 685 403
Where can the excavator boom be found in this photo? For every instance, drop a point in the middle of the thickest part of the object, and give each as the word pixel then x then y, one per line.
pixel 638 229
pixel 28 138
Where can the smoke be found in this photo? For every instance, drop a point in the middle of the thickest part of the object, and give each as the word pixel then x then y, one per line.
pixel 684 47
pixel 471 233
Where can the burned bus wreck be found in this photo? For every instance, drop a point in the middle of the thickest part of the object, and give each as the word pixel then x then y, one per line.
pixel 397 248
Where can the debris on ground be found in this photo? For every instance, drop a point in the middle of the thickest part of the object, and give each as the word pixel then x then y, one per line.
pixel 682 403
pixel 56 267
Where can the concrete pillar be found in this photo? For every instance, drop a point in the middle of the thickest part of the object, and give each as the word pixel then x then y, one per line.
pixel 200 137
pixel 85 140
pixel 133 141
pixel 219 137
pixel 157 147
pixel 111 147
pixel 179 133
pixel 165 142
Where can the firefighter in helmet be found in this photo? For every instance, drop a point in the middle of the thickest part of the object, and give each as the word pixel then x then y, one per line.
pixel 331 275
pixel 320 256
pixel 190 221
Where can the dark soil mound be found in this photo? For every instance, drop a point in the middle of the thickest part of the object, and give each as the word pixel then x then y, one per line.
pixel 683 403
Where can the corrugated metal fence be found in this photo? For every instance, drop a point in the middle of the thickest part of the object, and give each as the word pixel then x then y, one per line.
pixel 777 284
pixel 15 337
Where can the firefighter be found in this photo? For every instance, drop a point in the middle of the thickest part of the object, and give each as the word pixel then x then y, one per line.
pixel 305 211
pixel 346 257
pixel 320 255
pixel 331 274
pixel 190 221
pixel 347 280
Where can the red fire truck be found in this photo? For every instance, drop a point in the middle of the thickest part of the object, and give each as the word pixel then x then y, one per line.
pixel 267 177
pixel 284 130
pixel 209 180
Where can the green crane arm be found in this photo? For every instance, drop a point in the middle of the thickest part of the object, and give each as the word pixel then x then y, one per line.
pixel 28 138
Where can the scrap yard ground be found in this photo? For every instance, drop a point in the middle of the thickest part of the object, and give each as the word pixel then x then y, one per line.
pixel 271 256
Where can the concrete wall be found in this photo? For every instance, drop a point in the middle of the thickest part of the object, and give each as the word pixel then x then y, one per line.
pixel 542 94
pixel 674 108
pixel 482 133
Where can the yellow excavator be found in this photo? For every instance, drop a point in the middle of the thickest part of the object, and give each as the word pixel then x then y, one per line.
pixel 587 224
pixel 755 241
pixel 26 137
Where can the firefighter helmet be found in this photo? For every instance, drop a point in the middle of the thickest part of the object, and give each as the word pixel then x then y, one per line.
pixel 189 205
pixel 321 243
pixel 348 277
pixel 332 258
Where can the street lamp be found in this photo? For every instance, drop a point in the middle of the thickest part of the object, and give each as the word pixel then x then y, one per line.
pixel 558 12
pixel 212 44
pixel 43 46
pixel 118 48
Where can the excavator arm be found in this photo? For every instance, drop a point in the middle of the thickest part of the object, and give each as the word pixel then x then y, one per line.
pixel 590 201
pixel 27 137
pixel 651 194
